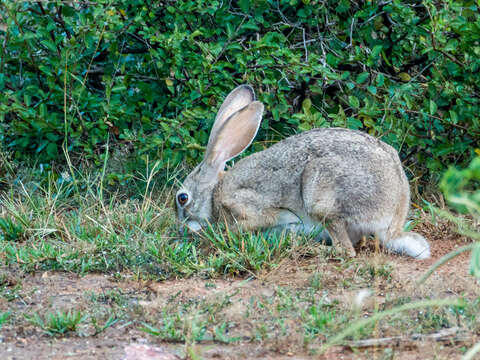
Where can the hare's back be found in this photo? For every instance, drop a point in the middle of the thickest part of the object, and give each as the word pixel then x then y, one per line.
pixel 351 171
pixel 343 142
pixel 339 152
pixel 350 166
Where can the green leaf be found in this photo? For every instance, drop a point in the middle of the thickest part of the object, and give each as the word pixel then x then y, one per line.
pixel 350 85
pixel 306 105
pixel 52 150
pixel 333 60
pixel 119 88
pixel 27 99
pixel 404 77
pixel 384 57
pixel 275 114
pixel 380 80
pixel 251 25
pixel 453 116
pixel 354 123
pixel 45 69
pixel 377 49
pixel 42 110
pixel 408 100
pixel 354 102
pixel 433 107
pixel 50 45
pixel 244 5
pixel 362 77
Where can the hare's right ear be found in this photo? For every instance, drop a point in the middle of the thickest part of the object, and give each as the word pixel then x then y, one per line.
pixel 234 136
pixel 238 98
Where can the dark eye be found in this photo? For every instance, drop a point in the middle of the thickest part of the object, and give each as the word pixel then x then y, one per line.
pixel 182 198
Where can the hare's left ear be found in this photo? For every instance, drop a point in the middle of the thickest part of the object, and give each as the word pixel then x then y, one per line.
pixel 234 136
pixel 238 98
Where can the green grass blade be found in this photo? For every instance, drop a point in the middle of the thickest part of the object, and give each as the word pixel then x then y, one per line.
pixel 445 259
pixel 470 354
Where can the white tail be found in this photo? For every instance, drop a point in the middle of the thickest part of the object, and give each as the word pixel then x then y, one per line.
pixel 411 244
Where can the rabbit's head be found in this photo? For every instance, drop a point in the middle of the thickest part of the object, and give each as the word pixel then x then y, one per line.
pixel 235 127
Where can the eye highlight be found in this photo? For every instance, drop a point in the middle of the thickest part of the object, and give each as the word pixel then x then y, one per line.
pixel 182 198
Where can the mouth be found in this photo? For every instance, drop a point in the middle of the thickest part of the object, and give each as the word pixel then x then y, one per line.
pixel 192 227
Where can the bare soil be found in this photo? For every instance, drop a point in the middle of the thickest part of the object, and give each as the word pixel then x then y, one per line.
pixel 55 291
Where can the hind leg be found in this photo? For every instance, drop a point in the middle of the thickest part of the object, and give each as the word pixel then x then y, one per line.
pixel 320 201
pixel 338 233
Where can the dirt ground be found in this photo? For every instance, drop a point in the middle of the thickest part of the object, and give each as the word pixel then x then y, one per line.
pixel 123 340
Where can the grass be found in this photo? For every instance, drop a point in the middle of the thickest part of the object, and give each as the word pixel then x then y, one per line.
pixel 291 294
pixel 3 317
pixel 58 323
pixel 46 225
pixel 10 231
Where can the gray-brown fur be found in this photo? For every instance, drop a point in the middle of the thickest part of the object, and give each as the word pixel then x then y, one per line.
pixel 348 180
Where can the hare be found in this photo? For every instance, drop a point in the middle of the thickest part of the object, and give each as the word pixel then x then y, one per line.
pixel 346 181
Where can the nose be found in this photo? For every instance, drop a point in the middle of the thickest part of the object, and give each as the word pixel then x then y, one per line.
pixel 193 226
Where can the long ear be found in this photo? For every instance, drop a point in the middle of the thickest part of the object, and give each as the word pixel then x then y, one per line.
pixel 235 135
pixel 238 98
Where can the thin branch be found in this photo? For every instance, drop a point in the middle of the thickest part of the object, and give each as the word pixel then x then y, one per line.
pixel 58 18
pixel 305 45
pixel 434 42
pixel 4 50
pixel 441 119
pixel 351 33
pixel 93 56
pixel 452 334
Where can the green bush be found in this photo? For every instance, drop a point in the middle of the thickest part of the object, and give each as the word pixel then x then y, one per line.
pixel 149 76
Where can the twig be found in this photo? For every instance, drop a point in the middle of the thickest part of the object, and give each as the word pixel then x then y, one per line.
pixel 305 45
pixel 351 33
pixel 98 224
pixel 452 334
pixel 59 19
pixel 34 64
pixel 228 42
pixel 441 119
pixel 434 43
pixel 361 323
pixel 372 17
pixel 296 26
pixel 93 56
pixel 4 50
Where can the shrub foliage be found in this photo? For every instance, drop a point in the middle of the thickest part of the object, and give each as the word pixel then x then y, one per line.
pixel 78 74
